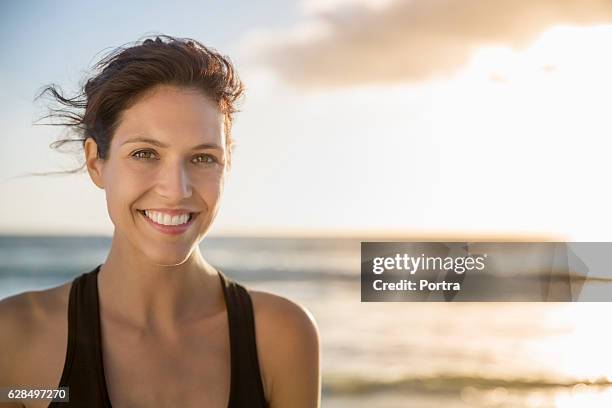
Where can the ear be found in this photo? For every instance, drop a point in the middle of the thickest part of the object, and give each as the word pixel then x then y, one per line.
pixel 93 162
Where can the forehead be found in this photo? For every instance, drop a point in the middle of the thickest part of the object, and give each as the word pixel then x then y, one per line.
pixel 173 115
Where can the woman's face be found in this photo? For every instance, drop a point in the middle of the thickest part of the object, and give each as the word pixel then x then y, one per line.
pixel 166 164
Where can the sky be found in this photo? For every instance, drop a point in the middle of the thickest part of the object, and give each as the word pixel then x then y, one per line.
pixel 382 117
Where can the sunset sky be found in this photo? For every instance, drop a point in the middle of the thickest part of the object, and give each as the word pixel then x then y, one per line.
pixel 409 117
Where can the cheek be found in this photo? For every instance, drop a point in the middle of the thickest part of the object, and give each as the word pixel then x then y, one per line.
pixel 122 192
pixel 210 188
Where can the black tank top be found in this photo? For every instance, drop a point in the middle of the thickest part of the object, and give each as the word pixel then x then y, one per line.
pixel 83 369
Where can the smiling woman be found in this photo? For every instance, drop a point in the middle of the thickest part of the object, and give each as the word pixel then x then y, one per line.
pixel 156 324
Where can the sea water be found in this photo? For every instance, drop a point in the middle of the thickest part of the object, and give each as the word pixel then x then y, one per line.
pixel 384 354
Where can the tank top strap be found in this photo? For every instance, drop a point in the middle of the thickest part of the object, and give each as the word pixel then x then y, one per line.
pixel 84 353
pixel 246 388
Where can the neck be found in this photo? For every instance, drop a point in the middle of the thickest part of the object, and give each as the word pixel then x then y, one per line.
pixel 154 298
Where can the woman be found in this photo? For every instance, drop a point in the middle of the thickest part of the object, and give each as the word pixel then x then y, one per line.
pixel 156 325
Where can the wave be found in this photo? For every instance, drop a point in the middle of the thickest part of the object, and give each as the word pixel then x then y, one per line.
pixel 334 384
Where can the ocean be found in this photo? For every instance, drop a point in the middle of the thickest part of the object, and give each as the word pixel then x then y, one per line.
pixel 394 354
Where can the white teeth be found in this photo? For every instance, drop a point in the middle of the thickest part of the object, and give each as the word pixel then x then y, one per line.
pixel 166 219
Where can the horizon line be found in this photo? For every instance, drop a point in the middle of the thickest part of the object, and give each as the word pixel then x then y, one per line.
pixel 418 235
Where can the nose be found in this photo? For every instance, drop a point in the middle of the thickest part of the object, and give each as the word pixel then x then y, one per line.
pixel 174 183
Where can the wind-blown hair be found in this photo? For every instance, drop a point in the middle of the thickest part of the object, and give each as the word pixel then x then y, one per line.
pixel 126 73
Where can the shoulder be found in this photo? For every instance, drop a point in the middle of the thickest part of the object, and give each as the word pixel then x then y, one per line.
pixel 33 325
pixel 288 348
pixel 40 306
pixel 282 314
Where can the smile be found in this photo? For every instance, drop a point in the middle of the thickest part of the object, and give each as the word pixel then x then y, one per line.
pixel 169 224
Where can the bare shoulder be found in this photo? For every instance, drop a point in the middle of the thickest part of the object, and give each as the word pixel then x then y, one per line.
pixel 282 314
pixel 289 351
pixel 33 333
pixel 37 306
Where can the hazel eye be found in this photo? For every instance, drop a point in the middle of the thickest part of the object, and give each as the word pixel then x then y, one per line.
pixel 143 154
pixel 205 159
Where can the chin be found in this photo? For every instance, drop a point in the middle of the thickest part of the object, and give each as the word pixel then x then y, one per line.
pixel 167 258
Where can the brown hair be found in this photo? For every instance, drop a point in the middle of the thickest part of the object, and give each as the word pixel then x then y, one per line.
pixel 127 73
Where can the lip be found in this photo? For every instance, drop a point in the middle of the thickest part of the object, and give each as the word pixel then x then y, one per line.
pixel 170 229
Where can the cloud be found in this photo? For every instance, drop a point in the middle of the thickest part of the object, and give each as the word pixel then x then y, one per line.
pixel 409 41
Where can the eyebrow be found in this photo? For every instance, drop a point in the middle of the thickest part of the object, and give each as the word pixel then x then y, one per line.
pixel 157 143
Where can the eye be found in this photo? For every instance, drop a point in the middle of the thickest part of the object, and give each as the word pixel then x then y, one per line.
pixel 143 154
pixel 205 159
